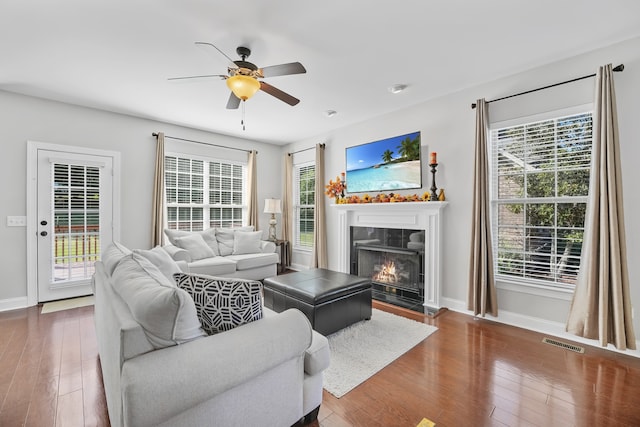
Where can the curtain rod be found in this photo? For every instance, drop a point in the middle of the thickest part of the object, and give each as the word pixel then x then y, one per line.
pixel 619 68
pixel 204 143
pixel 305 149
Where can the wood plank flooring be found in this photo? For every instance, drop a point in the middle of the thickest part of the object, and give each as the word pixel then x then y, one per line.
pixel 469 373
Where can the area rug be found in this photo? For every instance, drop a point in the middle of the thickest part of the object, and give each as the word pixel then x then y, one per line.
pixel 364 348
pixel 66 304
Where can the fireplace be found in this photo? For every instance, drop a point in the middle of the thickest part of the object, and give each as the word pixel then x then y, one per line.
pixel 390 267
pixel 394 260
pixel 400 220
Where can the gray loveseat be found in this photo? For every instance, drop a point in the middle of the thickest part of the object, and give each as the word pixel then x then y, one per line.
pixel 160 369
pixel 224 252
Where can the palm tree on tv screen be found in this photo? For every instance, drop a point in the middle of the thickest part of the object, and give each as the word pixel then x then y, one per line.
pixel 387 156
pixel 410 149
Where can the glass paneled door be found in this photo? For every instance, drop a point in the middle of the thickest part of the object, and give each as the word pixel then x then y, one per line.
pixel 74 215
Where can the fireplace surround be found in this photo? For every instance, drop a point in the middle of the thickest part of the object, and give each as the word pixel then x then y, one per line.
pixel 423 217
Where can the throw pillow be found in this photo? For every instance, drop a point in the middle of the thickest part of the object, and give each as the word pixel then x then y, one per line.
pixel 196 246
pixel 223 304
pixel 246 242
pixel 209 236
pixel 225 237
pixel 166 313
pixel 112 255
pixel 161 259
pixel 172 235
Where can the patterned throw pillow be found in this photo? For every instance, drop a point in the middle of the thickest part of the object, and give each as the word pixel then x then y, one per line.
pixel 221 303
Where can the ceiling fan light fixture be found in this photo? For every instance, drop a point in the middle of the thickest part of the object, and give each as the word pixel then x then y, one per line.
pixel 244 87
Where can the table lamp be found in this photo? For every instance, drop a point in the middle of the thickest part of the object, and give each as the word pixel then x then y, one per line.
pixel 272 206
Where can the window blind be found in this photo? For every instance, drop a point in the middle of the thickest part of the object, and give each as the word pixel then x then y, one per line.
pixel 540 183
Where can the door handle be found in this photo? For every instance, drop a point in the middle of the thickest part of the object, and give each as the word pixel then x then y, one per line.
pixel 43 233
pixel 43 222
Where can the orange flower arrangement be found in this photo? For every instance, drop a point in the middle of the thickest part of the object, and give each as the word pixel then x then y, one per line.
pixel 335 189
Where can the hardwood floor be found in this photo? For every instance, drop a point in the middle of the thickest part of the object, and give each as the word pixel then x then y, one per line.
pixel 49 369
pixel 469 373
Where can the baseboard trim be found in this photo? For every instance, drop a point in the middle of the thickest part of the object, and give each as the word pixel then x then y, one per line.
pixel 13 303
pixel 536 324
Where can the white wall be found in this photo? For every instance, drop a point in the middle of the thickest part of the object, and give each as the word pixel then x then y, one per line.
pixel 27 118
pixel 447 125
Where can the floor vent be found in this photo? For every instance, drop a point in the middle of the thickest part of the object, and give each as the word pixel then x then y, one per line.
pixel 563 345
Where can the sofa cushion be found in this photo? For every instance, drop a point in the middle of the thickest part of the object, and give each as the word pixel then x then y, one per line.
pixel 247 242
pixel 161 259
pixel 112 255
pixel 223 304
pixel 209 236
pixel 166 313
pixel 196 246
pixel 225 238
pixel 213 266
pixel 249 261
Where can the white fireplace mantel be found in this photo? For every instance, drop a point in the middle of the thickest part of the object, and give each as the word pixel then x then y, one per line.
pixel 425 216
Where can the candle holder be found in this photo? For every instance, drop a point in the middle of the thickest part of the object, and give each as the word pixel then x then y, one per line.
pixel 434 194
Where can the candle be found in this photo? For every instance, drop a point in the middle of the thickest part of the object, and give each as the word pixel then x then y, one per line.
pixel 433 160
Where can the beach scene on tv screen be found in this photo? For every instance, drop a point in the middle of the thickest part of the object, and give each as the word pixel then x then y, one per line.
pixel 388 164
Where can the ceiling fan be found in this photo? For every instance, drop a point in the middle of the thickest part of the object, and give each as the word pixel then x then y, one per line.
pixel 242 77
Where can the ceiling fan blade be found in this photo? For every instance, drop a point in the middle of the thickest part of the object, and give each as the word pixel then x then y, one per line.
pixel 205 76
pixel 234 102
pixel 282 96
pixel 215 47
pixel 283 69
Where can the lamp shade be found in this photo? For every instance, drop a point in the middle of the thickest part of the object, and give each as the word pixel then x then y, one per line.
pixel 272 206
pixel 244 87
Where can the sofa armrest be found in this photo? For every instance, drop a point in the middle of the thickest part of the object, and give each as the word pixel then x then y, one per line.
pixel 317 356
pixel 183 265
pixel 178 254
pixel 163 383
pixel 267 246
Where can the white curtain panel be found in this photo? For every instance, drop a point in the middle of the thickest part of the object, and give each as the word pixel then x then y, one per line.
pixel 601 305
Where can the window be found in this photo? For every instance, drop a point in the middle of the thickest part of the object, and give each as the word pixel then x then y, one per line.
pixel 304 201
pixel 540 186
pixel 203 193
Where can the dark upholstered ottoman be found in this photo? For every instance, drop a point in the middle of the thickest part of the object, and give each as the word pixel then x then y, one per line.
pixel 330 300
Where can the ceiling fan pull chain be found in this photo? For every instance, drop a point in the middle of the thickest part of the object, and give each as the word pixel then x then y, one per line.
pixel 242 119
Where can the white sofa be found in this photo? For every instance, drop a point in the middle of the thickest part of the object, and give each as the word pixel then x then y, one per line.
pixel 224 252
pixel 160 369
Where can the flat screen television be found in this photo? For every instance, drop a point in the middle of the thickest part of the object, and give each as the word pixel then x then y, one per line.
pixel 385 165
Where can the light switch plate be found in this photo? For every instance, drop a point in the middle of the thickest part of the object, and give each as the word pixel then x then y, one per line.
pixel 16 221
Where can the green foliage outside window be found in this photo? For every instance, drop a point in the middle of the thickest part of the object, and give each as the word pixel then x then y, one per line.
pixel 305 205
pixel 542 172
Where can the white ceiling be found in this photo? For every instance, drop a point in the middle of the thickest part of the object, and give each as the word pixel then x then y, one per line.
pixel 116 55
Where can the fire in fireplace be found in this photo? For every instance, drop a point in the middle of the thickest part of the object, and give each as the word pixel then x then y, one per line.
pixel 390 266
pixel 387 274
